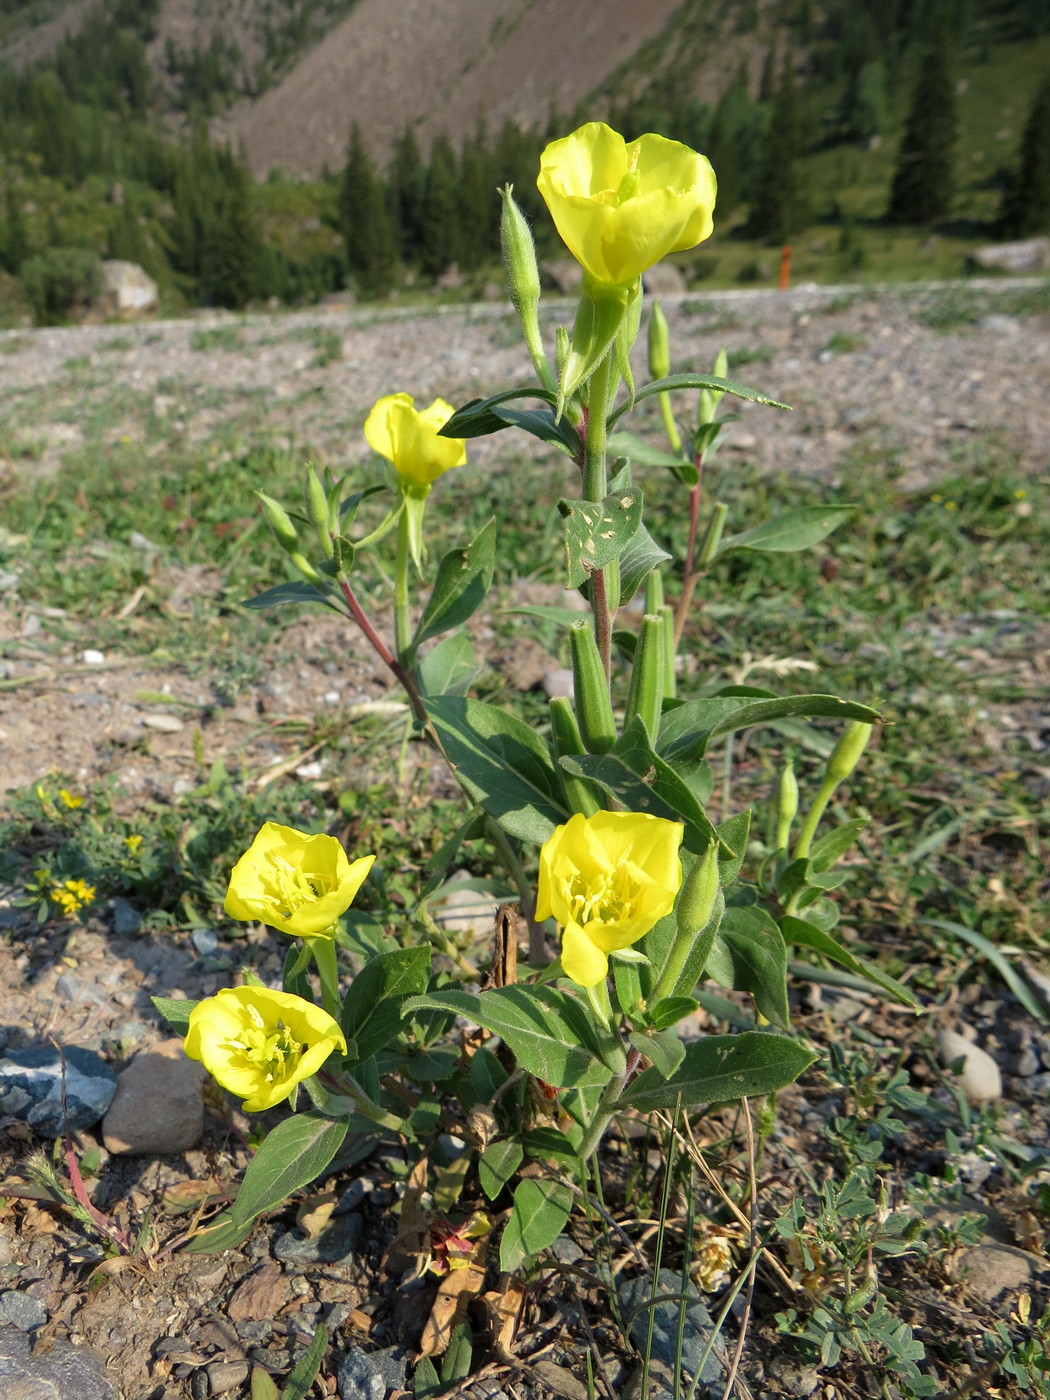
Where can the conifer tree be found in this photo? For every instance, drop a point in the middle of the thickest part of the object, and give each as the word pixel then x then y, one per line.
pixel 367 229
pixel 406 180
pixel 440 219
pixel 923 180
pixel 778 208
pixel 233 254
pixel 14 245
pixel 1026 202
pixel 478 203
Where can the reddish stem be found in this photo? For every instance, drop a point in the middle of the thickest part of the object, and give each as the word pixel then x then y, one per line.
pixel 403 678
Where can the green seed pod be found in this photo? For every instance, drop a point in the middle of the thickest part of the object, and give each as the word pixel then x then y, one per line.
pixel 581 795
pixel 846 754
pixel 696 903
pixel 646 692
pixel 670 653
pixel 659 344
pixel 307 569
pixel 712 535
pixel 315 503
pixel 591 689
pixel 654 591
pixel 280 523
pixel 786 800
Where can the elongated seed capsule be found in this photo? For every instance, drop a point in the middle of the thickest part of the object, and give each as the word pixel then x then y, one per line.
pixel 786 801
pixel 846 754
pixel 593 706
pixel 646 692
pixel 280 522
pixel 315 503
pixel 713 534
pixel 707 409
pixel 582 796
pixel 654 591
pixel 670 653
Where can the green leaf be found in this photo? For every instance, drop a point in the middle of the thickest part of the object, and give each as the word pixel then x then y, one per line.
pixel 263 1387
pixel 476 418
pixel 671 1010
pixel 462 583
pixel 549 1144
pixel 372 1010
pixel 459 1356
pixel 1020 988
pixel 638 450
pixel 540 1211
pixel 348 508
pixel 807 936
pixel 597 532
pixel 540 422
pixel 487 1075
pixel 662 1047
pixel 794 530
pixel 176 1011
pixel 293 1154
pixel 294 978
pixel 632 773
pixel 560 617
pixel 733 834
pixel 548 1030
pixel 832 847
pixel 749 954
pixel 295 591
pixel 448 668
pixel 641 555
pixel 497 1164
pixel 687 729
pixel 504 765
pixel 426 1383
pixel 721 1069
pixel 220 1234
pixel 301 1379
pixel 696 381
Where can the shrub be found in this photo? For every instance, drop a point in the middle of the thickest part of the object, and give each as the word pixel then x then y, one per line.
pixel 60 281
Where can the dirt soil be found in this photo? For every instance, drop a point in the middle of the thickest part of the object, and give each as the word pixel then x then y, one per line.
pixel 170 1324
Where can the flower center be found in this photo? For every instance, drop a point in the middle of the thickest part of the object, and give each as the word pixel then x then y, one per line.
pixel 603 898
pixel 290 887
pixel 274 1053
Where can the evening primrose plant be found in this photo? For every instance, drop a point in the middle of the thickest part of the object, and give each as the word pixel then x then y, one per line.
pixel 599 816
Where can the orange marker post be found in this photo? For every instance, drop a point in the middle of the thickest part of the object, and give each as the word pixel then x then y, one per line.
pixel 785 266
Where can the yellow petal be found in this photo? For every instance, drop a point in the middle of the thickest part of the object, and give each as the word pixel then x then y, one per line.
pixel 582 960
pixel 408 438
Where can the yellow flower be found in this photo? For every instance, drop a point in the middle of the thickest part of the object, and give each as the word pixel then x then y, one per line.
pixel 607 879
pixel 296 883
pixel 260 1044
pixel 408 437
pixel 70 801
pixel 73 895
pixel 622 207
pixel 133 843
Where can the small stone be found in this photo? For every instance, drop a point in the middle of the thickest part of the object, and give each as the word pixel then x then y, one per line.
pixel 21 1310
pixel 795 1377
pixel 31 1087
pixel 126 918
pixel 980 1079
pixel 206 941
pixel 566 1250
pixel 93 658
pixel 991 1271
pixel 635 1293
pixel 261 1295
pixel 463 910
pixel 335 1245
pixel 354 1194
pixel 138 540
pixel 557 683
pixel 166 724
pixel 558 1380
pixel 371 1375
pixel 226 1375
pixel 158 1106
pixel 62 1372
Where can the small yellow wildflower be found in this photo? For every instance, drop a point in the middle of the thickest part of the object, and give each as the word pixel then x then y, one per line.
pixel 70 801
pixel 133 843
pixel 72 896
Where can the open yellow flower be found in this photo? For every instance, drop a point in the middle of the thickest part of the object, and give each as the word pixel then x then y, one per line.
pixel 622 207
pixel 408 437
pixel 607 879
pixel 260 1044
pixel 296 883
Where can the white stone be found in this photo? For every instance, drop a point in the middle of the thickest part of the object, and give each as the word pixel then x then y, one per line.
pixel 93 658
pixel 128 288
pixel 980 1080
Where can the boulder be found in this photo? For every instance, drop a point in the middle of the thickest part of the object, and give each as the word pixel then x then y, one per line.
pixel 158 1106
pixel 1029 255
pixel 127 290
pixel 664 279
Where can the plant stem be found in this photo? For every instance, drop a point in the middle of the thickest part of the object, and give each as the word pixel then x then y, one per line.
pixel 363 1104
pixel 595 487
pixel 689 577
pixel 813 816
pixel 603 1114
pixel 323 950
pixel 404 678
pixel 402 618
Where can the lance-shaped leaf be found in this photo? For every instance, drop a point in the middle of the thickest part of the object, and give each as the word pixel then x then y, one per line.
pixel 541 1209
pixel 504 765
pixel 463 580
pixel 720 1069
pixel 632 773
pixel 597 532
pixel 686 730
pixel 638 450
pixel 448 668
pixel 176 1011
pixel 372 1012
pixel 477 419
pixel 641 555
pixel 548 1030
pixel 292 1155
pixel 295 591
pixel 750 955
pixel 696 381
pixel 803 933
pixel 794 530
pixel 541 423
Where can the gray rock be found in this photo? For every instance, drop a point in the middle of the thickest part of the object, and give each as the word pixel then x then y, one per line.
pixel 206 941
pixel 226 1375
pixel 796 1378
pixel 126 918
pixel 31 1087
pixel 61 1373
pixel 1027 255
pixel 999 324
pixel 557 683
pixel 158 1106
pixel 21 1310
pixel 335 1245
pixel 459 910
pixel 664 279
pixel 371 1375
pixel 699 1324
pixel 127 290
pixel 980 1079
pixel 994 1271
pixel 354 1194
pixel 566 1250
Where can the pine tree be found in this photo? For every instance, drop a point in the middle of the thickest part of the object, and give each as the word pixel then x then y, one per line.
pixel 1026 202
pixel 923 180
pixel 406 180
pixel 440 219
pixel 233 257
pixel 778 208
pixel 367 229
pixel 14 245
pixel 479 203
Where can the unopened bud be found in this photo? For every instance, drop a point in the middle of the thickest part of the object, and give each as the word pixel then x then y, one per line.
pixel 786 804
pixel 654 591
pixel 846 754
pixel 696 903
pixel 280 522
pixel 659 344
pixel 315 503
pixel 591 689
pixel 710 398
pixel 581 795
pixel 519 253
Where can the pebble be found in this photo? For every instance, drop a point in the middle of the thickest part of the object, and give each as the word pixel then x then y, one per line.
pixel 335 1245
pixel 166 724
pixel 980 1079
pixel 557 683
pixel 62 1372
pixel 31 1087
pixel 371 1375
pixel 699 1324
pixel 21 1310
pixel 93 658
pixel 126 918
pixel 354 1194
pixel 559 1381
pixel 464 911
pixel 991 1271
pixel 206 941
pixel 158 1106
pixel 226 1375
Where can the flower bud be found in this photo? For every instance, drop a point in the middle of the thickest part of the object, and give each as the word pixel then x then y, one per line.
pixel 846 754
pixel 696 903
pixel 710 398
pixel 280 523
pixel 315 503
pixel 654 591
pixel 659 344
pixel 646 692
pixel 712 535
pixel 591 689
pixel 523 279
pixel 786 799
pixel 581 795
